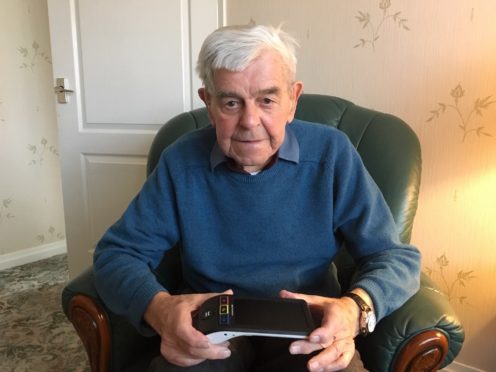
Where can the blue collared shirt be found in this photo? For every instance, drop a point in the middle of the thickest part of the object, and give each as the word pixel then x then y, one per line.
pixel 289 151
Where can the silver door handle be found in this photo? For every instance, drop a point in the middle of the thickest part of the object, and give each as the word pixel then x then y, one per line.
pixel 60 89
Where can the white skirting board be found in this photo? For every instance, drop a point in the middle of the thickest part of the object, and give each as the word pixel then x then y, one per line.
pixel 33 254
pixel 460 367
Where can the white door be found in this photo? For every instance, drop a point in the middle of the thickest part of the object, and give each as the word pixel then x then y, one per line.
pixel 131 66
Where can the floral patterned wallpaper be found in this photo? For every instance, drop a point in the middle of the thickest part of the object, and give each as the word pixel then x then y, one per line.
pixel 466 119
pixel 432 63
pixel 375 27
pixel 31 213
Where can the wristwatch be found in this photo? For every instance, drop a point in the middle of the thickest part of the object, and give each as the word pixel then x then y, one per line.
pixel 367 320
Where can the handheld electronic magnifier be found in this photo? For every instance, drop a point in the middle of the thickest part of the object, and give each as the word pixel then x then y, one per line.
pixel 226 316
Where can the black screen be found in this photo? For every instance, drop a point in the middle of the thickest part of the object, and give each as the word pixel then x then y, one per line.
pixel 274 314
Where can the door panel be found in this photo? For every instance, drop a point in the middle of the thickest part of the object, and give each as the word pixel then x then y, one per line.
pixel 110 183
pixel 144 78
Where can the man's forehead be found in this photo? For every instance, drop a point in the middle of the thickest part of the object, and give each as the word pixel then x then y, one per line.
pixel 266 74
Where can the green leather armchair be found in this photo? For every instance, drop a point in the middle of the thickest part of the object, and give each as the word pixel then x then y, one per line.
pixel 423 335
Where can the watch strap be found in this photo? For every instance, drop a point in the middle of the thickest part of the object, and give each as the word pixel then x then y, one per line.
pixel 365 309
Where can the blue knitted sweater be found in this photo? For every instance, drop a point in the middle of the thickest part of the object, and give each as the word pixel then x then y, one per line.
pixel 279 229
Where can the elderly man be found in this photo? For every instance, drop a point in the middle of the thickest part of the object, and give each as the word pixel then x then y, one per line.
pixel 260 202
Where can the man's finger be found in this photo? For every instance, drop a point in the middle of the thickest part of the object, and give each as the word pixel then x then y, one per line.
pixel 190 340
pixel 334 357
pixel 304 347
pixel 201 298
pixel 315 300
pixel 213 352
pixel 315 303
pixel 340 364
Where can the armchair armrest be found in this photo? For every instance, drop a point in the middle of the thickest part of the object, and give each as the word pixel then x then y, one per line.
pixel 424 334
pixel 92 326
pixel 111 343
pixel 89 318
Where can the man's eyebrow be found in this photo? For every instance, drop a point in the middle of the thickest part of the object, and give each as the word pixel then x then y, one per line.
pixel 271 90
pixel 230 94
pixel 227 94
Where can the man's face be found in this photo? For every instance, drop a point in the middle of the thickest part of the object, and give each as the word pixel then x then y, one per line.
pixel 250 110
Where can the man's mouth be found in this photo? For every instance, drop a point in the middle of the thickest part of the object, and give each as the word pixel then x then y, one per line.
pixel 248 140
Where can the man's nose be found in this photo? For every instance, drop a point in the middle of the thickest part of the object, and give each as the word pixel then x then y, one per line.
pixel 251 116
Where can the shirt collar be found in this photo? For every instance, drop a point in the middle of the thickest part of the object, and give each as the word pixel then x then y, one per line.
pixel 289 150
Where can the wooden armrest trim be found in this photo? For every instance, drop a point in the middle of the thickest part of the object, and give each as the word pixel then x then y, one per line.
pixel 424 352
pixel 92 326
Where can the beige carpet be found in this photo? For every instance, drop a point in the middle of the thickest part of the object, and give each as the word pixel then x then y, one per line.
pixel 34 332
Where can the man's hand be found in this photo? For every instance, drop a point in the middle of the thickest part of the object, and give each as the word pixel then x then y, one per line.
pixel 335 336
pixel 183 345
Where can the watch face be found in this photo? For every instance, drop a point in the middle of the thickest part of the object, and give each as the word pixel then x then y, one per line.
pixel 371 321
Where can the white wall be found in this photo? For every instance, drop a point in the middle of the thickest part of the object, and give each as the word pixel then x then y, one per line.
pixel 31 213
pixel 433 55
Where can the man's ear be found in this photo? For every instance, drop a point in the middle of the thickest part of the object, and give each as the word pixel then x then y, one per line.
pixel 204 96
pixel 296 92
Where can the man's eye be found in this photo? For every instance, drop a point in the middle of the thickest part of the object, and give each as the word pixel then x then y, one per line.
pixel 231 104
pixel 267 101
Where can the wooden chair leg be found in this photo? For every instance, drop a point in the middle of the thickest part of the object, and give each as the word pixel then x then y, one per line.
pixel 92 326
pixel 424 352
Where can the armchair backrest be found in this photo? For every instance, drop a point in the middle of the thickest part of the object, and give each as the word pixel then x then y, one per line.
pixel 389 149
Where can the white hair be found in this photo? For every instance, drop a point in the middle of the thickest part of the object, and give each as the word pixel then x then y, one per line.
pixel 234 47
